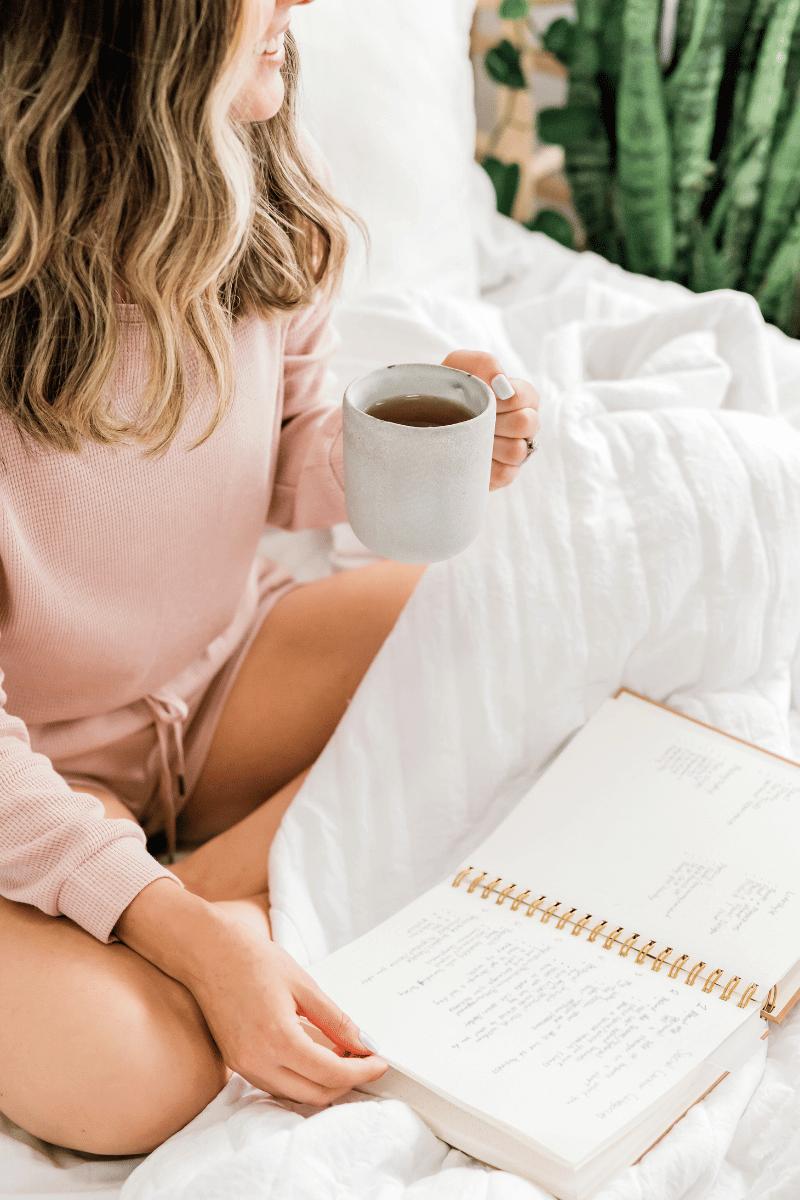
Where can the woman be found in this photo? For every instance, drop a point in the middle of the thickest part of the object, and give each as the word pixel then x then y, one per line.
pixel 167 259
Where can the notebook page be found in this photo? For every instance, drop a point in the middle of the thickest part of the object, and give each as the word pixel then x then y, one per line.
pixel 547 1035
pixel 672 830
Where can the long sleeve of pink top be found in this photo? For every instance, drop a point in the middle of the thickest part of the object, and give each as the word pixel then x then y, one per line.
pixel 308 492
pixel 103 554
pixel 57 849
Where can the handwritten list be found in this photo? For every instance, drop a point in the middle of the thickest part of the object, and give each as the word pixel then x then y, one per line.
pixel 521 1020
pixel 657 824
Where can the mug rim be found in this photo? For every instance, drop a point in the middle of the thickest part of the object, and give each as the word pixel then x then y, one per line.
pixel 426 430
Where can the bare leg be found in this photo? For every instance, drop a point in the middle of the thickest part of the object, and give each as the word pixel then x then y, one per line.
pixel 99 1050
pixel 233 865
pixel 302 670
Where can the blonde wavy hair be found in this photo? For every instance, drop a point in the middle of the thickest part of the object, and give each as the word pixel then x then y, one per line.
pixel 121 164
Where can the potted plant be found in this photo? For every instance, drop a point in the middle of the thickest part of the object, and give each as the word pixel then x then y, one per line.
pixel 682 164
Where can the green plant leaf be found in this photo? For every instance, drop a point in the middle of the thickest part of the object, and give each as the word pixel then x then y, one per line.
pixel 559 40
pixel 504 65
pixel 568 126
pixel 707 265
pixel 555 225
pixel 514 10
pixel 505 177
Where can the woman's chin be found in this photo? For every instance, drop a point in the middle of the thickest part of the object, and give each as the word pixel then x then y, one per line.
pixel 263 98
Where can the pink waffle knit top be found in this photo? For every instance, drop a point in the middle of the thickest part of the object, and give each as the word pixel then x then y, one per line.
pixel 123 575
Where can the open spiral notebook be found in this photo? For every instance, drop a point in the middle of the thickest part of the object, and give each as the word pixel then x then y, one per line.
pixel 602 960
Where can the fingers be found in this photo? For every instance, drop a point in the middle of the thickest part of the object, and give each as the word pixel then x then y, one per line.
pixel 513 427
pixel 487 368
pixel 288 1085
pixel 313 1073
pixel 484 366
pixel 502 475
pixel 303 1069
pixel 323 1066
pixel 522 423
pixel 510 452
pixel 525 396
pixel 327 1016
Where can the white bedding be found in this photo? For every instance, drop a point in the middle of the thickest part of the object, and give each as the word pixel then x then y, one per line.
pixel 654 541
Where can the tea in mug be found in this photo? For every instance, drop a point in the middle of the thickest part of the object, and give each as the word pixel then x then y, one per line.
pixel 420 411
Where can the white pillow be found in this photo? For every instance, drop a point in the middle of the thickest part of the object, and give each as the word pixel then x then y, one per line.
pixel 388 93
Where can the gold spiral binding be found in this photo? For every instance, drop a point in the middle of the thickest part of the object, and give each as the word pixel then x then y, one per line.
pixel 612 938
pixel 748 995
pixel 677 966
pixel 563 920
pixel 626 947
pixel 713 978
pixel 711 983
pixel 730 987
pixel 534 904
pixel 662 958
pixel 644 953
pixel 691 978
pixel 476 882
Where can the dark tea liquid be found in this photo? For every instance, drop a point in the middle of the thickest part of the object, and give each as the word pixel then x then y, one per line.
pixel 421 411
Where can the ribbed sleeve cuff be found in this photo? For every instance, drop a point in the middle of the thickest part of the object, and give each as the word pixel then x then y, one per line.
pixel 102 887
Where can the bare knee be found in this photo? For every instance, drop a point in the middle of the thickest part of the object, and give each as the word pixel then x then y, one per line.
pixel 168 1072
pixel 99 1050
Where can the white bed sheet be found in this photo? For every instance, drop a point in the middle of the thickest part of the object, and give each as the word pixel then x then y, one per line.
pixel 666 473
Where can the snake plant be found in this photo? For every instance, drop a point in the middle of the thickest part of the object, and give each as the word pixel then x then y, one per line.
pixel 683 160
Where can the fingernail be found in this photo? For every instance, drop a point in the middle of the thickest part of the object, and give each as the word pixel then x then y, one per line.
pixel 501 386
pixel 367 1041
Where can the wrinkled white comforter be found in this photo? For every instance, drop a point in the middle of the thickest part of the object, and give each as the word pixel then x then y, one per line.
pixel 653 541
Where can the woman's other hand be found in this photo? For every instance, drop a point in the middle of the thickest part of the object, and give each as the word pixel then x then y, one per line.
pixel 268 1017
pixel 517 421
pixel 260 1004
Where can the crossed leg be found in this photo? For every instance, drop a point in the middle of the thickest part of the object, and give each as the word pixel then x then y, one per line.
pixel 102 1052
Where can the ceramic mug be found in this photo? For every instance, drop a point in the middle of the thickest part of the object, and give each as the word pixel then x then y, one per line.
pixel 417 494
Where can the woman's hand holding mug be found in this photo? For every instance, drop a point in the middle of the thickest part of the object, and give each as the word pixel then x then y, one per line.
pixel 517 421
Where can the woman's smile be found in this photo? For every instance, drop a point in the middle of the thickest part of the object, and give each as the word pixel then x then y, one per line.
pixel 271 50
pixel 262 85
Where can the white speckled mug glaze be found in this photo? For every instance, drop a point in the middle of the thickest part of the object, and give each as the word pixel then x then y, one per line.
pixel 417 494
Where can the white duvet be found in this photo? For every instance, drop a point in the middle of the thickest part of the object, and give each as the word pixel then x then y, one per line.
pixel 654 541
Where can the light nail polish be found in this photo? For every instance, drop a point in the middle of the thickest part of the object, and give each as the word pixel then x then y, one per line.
pixel 367 1041
pixel 501 386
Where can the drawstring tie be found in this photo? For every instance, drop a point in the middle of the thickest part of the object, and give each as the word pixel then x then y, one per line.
pixel 170 712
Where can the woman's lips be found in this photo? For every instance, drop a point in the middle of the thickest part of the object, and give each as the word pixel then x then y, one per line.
pixel 272 49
